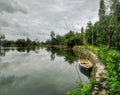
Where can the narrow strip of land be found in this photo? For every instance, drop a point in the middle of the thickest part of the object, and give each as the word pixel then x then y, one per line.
pixel 99 86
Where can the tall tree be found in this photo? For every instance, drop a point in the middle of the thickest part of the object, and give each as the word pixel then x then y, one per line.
pixel 52 35
pixel 2 38
pixel 53 40
pixel 102 11
pixel 82 36
pixel 88 32
pixel 115 22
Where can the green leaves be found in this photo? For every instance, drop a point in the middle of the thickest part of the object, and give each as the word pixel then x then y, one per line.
pixel 112 61
pixel 81 90
pixel 70 39
pixel 102 11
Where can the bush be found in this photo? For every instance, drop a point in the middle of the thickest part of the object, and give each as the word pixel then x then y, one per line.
pixel 81 89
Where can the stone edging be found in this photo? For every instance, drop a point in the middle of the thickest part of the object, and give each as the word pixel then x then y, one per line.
pixel 99 86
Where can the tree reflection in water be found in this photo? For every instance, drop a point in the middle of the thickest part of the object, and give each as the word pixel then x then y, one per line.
pixel 68 55
pixel 4 50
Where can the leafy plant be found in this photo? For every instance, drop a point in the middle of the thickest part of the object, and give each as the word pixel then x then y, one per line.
pixel 111 59
pixel 81 89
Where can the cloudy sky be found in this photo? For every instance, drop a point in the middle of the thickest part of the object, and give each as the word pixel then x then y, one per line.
pixel 37 18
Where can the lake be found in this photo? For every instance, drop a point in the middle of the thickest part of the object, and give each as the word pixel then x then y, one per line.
pixel 38 71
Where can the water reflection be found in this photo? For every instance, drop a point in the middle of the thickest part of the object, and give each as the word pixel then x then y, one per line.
pixel 4 50
pixel 27 49
pixel 85 72
pixel 6 80
pixel 69 55
pixel 34 71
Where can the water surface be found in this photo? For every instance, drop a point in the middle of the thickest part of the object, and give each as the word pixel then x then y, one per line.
pixel 38 72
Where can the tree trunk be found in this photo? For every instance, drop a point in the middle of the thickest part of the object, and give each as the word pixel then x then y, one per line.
pixel 109 42
pixel 109 38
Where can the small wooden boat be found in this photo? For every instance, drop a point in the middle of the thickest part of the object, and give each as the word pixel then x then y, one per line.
pixel 85 64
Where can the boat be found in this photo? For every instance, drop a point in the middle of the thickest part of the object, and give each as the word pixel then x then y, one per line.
pixel 85 64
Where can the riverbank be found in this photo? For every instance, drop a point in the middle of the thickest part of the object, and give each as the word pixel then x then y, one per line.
pixel 99 86
pixel 55 46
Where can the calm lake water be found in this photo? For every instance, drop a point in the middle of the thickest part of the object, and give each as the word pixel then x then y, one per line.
pixel 39 72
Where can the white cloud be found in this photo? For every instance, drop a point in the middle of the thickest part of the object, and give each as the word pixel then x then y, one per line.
pixel 37 18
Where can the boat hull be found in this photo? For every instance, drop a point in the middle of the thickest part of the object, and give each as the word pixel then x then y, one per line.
pixel 85 65
pixel 84 68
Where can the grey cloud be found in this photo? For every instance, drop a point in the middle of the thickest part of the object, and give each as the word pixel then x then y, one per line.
pixel 44 16
pixel 11 6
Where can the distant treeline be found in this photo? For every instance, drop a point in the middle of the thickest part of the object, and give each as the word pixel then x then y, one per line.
pixel 69 39
pixel 19 43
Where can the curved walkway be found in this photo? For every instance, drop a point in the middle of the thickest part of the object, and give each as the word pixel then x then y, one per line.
pixel 99 86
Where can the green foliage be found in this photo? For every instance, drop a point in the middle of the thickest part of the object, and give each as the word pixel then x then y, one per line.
pixel 89 33
pixel 102 11
pixel 53 40
pixel 97 34
pixel 112 61
pixel 2 38
pixel 81 90
pixel 69 39
pixel 52 35
pixel 21 43
pixel 115 22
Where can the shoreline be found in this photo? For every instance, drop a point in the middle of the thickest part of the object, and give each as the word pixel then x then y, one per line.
pixel 99 77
